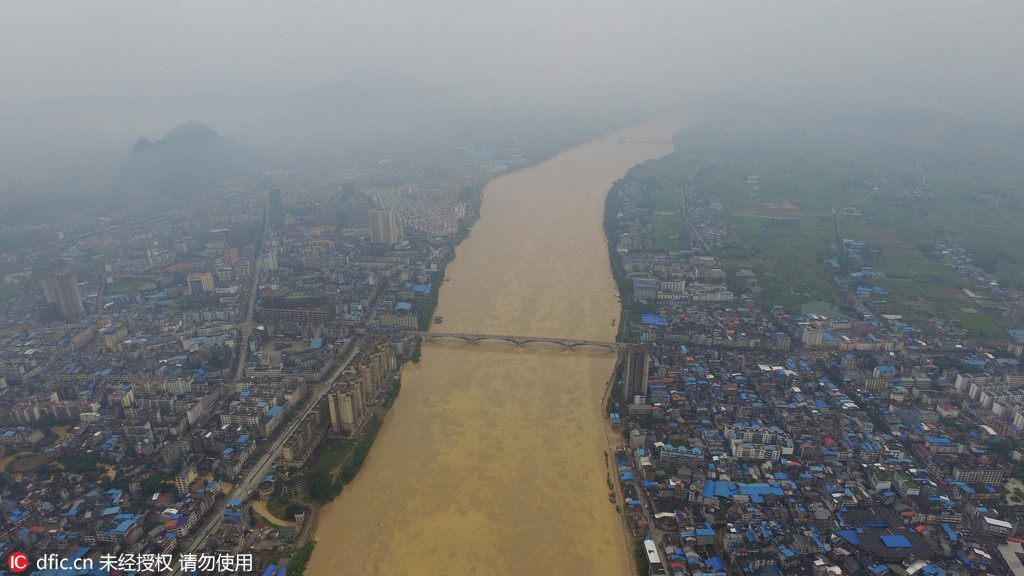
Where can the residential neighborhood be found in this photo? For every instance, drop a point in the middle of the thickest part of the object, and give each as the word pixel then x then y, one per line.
pixel 220 351
pixel 812 443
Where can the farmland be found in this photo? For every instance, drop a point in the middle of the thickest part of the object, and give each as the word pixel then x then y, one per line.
pixel 780 190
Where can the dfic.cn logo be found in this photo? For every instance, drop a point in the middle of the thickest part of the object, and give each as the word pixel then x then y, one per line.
pixel 17 562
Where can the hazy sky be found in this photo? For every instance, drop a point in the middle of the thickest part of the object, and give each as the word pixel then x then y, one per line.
pixel 99 74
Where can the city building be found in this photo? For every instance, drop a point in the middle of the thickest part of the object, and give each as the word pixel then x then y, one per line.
pixel 384 228
pixel 979 475
pixel 63 291
pixel 812 336
pixel 200 282
pixel 268 261
pixel 635 375
pixel 276 210
pixel 345 410
pixel 448 193
pixel 113 336
pixel 305 316
pixel 185 479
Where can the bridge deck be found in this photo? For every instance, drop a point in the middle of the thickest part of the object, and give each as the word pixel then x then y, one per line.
pixel 565 343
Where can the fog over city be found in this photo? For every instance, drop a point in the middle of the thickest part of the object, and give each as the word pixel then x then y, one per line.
pixel 603 288
pixel 81 82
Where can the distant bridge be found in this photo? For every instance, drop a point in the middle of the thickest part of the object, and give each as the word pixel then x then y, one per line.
pixel 520 341
pixel 625 140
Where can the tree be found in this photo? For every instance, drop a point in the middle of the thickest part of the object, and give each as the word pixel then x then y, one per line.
pixel 1001 446
pixel 294 508
pixel 79 463
pixel 156 483
pixel 320 488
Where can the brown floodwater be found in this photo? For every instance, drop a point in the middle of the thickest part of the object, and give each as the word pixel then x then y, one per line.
pixel 492 460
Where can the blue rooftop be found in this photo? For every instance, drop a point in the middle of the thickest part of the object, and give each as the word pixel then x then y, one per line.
pixel 654 320
pixel 895 541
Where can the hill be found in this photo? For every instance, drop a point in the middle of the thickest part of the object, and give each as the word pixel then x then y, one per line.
pixel 190 159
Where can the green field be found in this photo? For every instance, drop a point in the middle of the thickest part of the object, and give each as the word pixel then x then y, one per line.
pixel 331 455
pixel 666 220
pixel 789 263
pixel 126 285
pixel 27 463
pixel 971 196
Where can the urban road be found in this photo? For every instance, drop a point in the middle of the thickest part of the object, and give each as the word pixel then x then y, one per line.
pixel 252 479
pixel 257 473
pixel 255 275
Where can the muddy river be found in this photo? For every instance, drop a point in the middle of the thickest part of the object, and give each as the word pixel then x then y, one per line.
pixel 492 460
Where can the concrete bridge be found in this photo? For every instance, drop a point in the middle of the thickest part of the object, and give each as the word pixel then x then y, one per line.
pixel 519 341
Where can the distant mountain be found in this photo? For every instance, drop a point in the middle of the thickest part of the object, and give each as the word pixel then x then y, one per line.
pixel 188 160
pixel 22 205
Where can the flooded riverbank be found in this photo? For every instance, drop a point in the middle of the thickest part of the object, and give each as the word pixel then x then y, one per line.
pixel 492 459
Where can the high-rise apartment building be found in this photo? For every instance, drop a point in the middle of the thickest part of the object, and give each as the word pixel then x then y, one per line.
pixel 448 193
pixel 63 291
pixel 268 261
pixel 361 385
pixel 346 409
pixel 635 375
pixel 276 209
pixel 384 227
